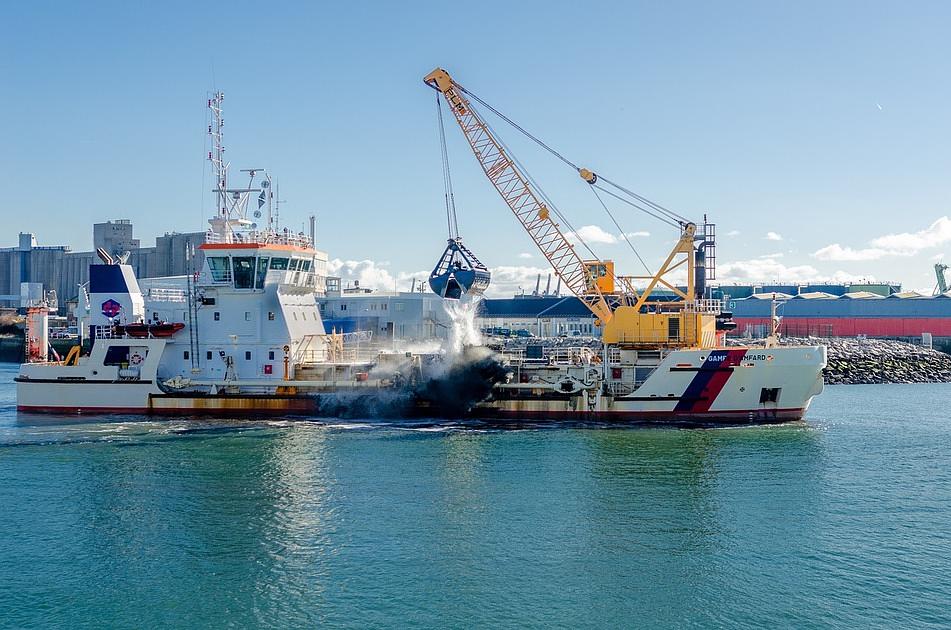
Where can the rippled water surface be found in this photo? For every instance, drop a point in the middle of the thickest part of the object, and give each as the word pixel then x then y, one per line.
pixel 844 520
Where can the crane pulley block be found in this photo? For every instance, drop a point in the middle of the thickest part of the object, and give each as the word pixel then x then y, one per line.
pixel 459 273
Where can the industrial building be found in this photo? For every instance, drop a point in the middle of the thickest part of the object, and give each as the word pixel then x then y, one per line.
pixel 388 315
pixel 900 315
pixel 740 291
pixel 543 316
pixel 420 315
pixel 59 269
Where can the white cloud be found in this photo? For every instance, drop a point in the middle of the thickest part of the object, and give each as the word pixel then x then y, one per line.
pixel 776 255
pixel 836 252
pixel 937 257
pixel 935 234
pixel 525 255
pixel 768 269
pixel 592 234
pixel 901 244
pixel 373 275
pixel 508 279
pixel 733 233
pixel 773 236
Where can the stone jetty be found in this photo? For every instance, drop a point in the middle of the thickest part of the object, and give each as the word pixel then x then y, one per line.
pixel 854 361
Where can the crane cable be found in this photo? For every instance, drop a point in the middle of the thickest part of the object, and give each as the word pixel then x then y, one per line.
pixel 677 218
pixel 450 199
pixel 544 197
pixel 575 167
pixel 623 233
pixel 656 206
pixel 540 191
pixel 634 205
pixel 521 129
pixel 451 218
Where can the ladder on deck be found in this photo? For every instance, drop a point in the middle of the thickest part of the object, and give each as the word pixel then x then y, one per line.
pixel 193 323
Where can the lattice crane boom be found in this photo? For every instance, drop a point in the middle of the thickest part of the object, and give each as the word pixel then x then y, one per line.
pixel 514 188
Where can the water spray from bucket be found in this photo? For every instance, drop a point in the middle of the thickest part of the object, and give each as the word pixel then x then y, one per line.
pixel 463 331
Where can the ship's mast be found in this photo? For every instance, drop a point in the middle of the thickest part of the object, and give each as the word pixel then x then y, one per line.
pixel 230 203
pixel 231 223
pixel 217 154
pixel 277 206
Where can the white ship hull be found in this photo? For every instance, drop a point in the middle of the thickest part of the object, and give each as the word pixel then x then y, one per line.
pixel 699 386
pixel 93 386
pixel 83 397
pixel 733 385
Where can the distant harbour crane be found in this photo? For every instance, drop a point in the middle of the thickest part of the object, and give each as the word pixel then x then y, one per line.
pixel 942 285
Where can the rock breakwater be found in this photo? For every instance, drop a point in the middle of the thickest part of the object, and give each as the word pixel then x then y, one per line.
pixel 855 361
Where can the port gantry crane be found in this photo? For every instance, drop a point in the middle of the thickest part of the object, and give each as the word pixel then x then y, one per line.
pixel 942 284
pixel 627 317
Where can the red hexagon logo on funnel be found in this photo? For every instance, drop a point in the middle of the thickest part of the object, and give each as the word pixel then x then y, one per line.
pixel 111 308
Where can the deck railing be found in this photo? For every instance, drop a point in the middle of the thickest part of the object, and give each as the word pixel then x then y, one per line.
pixel 262 237
pixel 573 355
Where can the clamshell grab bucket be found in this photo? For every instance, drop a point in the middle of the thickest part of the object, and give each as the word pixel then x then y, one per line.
pixel 458 273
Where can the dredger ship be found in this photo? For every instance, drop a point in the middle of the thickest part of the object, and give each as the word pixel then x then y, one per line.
pixel 244 333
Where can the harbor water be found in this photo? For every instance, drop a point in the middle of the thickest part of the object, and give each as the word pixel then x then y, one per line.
pixel 843 520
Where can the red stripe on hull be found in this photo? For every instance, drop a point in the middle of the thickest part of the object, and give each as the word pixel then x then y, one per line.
pixel 717 380
pixel 81 410
pixel 144 411
pixel 760 416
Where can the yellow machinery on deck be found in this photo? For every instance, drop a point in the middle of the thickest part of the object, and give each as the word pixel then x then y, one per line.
pixel 628 317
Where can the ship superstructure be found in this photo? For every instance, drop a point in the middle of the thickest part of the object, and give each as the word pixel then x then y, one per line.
pixel 242 323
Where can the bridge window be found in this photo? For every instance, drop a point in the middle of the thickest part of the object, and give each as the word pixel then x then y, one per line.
pixel 279 263
pixel 262 272
pixel 219 267
pixel 243 272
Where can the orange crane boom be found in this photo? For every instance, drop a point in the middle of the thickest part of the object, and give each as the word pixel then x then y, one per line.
pixel 515 190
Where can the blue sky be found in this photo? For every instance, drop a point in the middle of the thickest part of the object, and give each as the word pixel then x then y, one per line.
pixel 815 134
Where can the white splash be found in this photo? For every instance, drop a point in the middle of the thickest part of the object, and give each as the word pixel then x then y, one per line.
pixel 462 315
